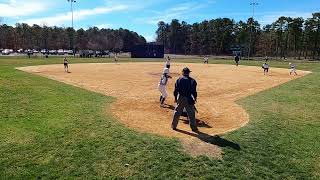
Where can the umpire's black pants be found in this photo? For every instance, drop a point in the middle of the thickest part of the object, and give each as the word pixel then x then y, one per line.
pixel 182 103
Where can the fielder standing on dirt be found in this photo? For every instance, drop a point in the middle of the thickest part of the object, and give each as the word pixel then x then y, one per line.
pixel 185 94
pixel 206 60
pixel 237 59
pixel 115 58
pixel 66 64
pixel 168 61
pixel 265 68
pixel 162 85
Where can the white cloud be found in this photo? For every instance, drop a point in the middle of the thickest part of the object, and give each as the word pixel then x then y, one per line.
pixel 269 18
pixel 149 38
pixel 182 10
pixel 15 8
pixel 61 19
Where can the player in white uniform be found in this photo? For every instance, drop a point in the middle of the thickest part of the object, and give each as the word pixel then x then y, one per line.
pixel 206 60
pixel 115 58
pixel 168 61
pixel 66 64
pixel 265 68
pixel 162 85
pixel 293 69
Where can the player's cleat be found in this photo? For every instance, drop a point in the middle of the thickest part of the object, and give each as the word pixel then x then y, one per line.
pixel 173 128
pixel 162 100
pixel 195 130
pixel 162 105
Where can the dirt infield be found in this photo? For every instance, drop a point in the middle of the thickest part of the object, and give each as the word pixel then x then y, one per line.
pixel 137 106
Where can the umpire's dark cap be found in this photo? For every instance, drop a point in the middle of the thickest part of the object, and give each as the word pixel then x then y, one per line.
pixel 186 70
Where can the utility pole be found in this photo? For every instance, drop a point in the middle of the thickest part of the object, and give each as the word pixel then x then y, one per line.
pixel 71 6
pixel 253 4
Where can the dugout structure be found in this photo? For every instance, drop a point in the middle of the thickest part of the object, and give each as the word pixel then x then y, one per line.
pixel 237 50
pixel 148 51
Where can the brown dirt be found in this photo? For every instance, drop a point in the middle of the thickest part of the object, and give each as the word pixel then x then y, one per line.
pixel 135 87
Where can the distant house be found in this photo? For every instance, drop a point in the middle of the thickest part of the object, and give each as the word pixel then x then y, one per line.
pixel 149 50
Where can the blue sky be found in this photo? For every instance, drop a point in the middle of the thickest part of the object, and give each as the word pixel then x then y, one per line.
pixel 142 15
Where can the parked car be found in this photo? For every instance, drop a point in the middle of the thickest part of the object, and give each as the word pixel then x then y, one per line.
pixel 60 52
pixel 35 51
pixel 20 50
pixel 86 53
pixel 97 54
pixel 28 51
pixel 53 52
pixel 44 51
pixel 5 52
pixel 91 53
pixel 65 51
pixel 70 52
pixel 106 53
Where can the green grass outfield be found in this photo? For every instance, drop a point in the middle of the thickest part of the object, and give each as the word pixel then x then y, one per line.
pixel 52 130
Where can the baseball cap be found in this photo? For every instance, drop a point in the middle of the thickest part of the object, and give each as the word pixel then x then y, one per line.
pixel 186 70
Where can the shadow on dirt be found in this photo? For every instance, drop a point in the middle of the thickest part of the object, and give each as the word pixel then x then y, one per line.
pixel 215 140
pixel 200 123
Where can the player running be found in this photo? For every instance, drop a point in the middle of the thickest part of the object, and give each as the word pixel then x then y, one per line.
pixel 265 68
pixel 293 69
pixel 162 85
pixel 65 63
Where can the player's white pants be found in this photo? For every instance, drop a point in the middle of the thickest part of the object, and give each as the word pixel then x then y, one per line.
pixel 163 90
pixel 293 70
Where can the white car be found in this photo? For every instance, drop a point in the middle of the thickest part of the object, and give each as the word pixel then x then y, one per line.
pixel 5 52
pixel 53 52
pixel 60 52
pixel 70 52
pixel 44 51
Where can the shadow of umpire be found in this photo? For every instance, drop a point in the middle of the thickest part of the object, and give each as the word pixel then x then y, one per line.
pixel 215 140
pixel 200 123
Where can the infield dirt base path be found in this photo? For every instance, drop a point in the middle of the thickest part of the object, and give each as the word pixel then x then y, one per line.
pixel 137 105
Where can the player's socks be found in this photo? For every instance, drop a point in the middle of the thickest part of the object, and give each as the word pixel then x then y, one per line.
pixel 160 98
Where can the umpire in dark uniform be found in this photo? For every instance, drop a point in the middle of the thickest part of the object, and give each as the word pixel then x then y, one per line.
pixel 185 94
pixel 237 59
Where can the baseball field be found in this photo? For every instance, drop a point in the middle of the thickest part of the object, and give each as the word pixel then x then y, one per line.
pixel 104 120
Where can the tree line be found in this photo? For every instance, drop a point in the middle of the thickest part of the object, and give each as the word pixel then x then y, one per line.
pixel 286 37
pixel 23 36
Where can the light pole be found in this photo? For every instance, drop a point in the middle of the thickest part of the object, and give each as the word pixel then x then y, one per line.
pixel 253 4
pixel 71 6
